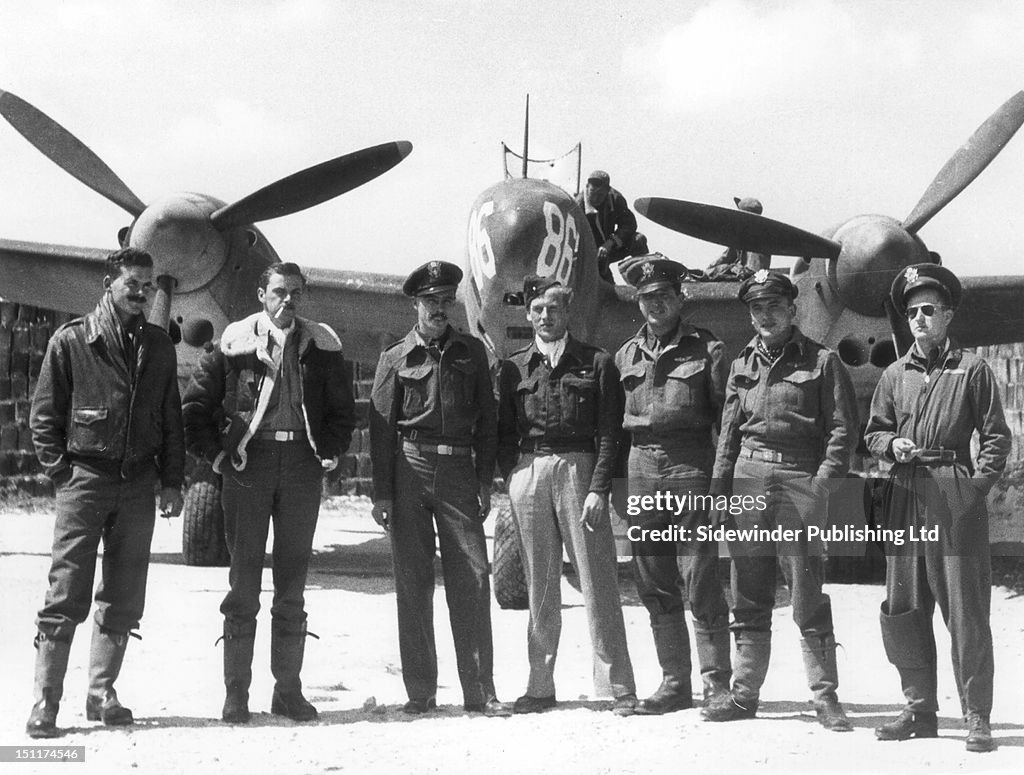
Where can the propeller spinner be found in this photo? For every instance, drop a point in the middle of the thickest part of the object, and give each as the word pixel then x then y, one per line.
pixel 866 252
pixel 193 236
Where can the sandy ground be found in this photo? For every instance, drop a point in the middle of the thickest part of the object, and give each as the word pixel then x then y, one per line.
pixel 172 680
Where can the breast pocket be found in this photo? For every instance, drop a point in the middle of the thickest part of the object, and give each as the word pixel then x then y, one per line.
pixel 415 383
pixel 90 430
pixel 462 382
pixel 634 385
pixel 746 392
pixel 684 383
pixel 579 399
pixel 800 390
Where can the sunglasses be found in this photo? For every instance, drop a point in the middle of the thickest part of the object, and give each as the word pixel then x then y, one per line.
pixel 927 309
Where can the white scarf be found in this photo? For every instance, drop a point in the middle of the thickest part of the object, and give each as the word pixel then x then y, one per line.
pixel 552 351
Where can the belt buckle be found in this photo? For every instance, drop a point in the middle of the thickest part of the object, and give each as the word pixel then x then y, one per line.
pixel 282 435
pixel 445 449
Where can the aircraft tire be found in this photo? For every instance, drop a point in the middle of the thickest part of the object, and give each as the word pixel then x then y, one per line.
pixel 509 576
pixel 202 539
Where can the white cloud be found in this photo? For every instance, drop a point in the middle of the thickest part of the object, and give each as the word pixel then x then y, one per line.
pixel 734 51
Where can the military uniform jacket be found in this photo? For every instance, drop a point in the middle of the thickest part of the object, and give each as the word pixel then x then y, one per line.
pixel 939 410
pixel 228 395
pixel 90 404
pixel 803 405
pixel 438 400
pixel 677 394
pixel 574 405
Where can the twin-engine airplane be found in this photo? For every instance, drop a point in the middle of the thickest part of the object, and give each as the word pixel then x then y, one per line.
pixel 208 256
pixel 521 226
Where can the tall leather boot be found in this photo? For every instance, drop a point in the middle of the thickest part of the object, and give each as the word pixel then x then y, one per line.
pixel 819 654
pixel 753 652
pixel 238 645
pixel 287 647
pixel 105 658
pixel 672 644
pixel 714 659
pixel 910 646
pixel 52 653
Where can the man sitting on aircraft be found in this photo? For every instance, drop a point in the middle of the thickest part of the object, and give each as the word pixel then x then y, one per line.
pixel 559 416
pixel 735 264
pixel 611 221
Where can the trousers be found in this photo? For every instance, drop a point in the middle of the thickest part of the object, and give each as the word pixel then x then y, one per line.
pixel 547 494
pixel 94 506
pixel 441 489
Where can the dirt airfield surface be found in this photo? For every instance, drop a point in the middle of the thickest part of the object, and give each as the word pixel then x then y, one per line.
pixel 172 681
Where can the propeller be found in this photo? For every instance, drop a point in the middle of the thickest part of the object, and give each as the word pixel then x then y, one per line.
pixel 312 186
pixel 968 161
pixel 67 152
pixel 735 228
pixel 160 310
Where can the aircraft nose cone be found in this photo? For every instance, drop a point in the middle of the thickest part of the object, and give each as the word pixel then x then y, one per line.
pixel 177 232
pixel 875 248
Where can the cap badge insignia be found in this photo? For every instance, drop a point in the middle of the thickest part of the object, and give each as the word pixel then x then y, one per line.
pixel 647 270
pixel 911 274
pixel 434 269
pixel 761 275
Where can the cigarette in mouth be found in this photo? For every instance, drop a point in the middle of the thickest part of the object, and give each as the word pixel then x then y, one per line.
pixel 279 311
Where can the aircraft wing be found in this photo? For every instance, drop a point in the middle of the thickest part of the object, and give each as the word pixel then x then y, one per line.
pixel 990 312
pixel 58 277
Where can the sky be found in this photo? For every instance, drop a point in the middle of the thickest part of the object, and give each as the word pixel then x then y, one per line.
pixel 823 109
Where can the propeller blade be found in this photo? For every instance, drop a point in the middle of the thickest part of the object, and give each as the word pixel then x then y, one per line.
pixel 67 152
pixel 312 186
pixel 735 228
pixel 160 311
pixel 968 161
pixel 902 339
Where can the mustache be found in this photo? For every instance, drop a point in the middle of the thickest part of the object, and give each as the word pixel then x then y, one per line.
pixel 139 299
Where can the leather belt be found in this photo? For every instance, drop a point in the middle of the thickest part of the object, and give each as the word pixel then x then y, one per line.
pixel 542 446
pixel 936 456
pixel 454 450
pixel 280 435
pixel 771 456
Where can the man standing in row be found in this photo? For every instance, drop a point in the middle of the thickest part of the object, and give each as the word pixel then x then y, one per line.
pixel 272 408
pixel 924 412
pixel 673 377
pixel 789 425
pixel 106 424
pixel 433 438
pixel 559 415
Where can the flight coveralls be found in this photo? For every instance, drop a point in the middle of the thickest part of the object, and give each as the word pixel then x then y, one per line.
pixel 106 424
pixel 939 405
pixel 433 434
pixel 787 427
pixel 558 431
pixel 673 399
